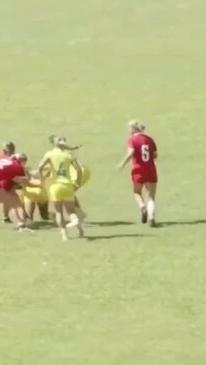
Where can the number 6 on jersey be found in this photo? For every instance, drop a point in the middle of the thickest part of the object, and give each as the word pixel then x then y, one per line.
pixel 145 153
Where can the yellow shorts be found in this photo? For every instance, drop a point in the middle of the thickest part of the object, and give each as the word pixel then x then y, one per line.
pixel 86 175
pixel 35 195
pixel 59 192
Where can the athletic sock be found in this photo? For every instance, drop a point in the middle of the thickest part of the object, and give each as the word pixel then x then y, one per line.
pixel 74 221
pixel 64 234
pixel 140 202
pixel 151 209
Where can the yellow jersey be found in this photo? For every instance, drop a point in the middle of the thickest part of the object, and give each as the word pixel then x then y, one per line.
pixel 60 163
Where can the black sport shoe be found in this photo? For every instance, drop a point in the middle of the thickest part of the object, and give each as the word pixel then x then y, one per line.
pixel 144 217
pixel 6 220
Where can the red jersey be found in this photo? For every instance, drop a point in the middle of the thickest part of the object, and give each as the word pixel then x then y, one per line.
pixel 143 161
pixel 9 169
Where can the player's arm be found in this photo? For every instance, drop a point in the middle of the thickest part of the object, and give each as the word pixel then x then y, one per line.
pixel 78 169
pixel 127 158
pixel 25 181
pixel 72 148
pixel 36 184
pixel 154 149
pixel 155 154
pixel 28 173
pixel 42 165
pixel 45 174
pixel 34 174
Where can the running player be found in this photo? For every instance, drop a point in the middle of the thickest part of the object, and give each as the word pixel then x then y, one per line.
pixel 61 190
pixel 142 151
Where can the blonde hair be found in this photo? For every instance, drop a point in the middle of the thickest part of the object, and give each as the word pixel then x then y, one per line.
pixel 137 126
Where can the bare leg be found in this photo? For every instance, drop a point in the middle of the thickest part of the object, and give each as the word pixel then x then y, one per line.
pixel 60 219
pixel 29 207
pixel 151 189
pixel 74 220
pixel 140 201
pixel 4 195
pixel 77 203
pixel 79 211
pixel 18 213
pixel 6 210
pixel 13 203
pixel 44 211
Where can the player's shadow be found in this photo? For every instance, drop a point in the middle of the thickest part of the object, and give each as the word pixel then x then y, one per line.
pixel 115 236
pixel 181 223
pixel 43 225
pixel 110 223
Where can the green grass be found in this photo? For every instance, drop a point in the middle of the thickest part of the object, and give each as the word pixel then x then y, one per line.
pixel 127 295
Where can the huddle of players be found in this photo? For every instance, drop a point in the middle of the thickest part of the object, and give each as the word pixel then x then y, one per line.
pixel 58 177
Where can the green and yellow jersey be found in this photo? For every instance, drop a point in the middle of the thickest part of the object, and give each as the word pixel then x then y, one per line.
pixel 60 164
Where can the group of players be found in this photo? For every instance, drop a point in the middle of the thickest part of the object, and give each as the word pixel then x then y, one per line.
pixel 56 180
pixel 59 176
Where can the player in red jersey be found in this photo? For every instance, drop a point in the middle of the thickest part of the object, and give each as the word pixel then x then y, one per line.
pixel 7 151
pixel 10 169
pixel 13 171
pixel 142 151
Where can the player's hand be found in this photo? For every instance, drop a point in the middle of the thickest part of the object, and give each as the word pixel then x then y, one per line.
pixel 119 167
pixel 77 147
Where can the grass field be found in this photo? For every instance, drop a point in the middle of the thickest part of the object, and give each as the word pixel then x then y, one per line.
pixel 126 295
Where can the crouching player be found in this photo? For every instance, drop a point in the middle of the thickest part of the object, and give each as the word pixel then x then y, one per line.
pixel 61 190
pixel 36 197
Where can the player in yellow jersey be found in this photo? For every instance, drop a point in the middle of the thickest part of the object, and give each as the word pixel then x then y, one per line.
pixel 61 190
pixel 85 175
pixel 36 196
